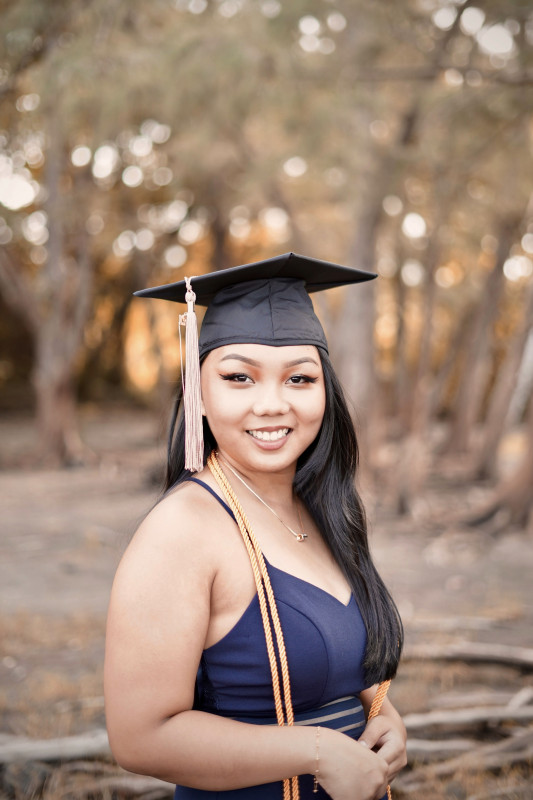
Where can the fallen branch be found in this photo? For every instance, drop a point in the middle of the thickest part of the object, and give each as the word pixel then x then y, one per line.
pixel 512 750
pixel 437 749
pixel 511 791
pixel 86 745
pixel 452 623
pixel 472 651
pixel 467 716
pixel 423 777
pixel 521 698
pixel 122 785
pixel 471 699
pixel 95 767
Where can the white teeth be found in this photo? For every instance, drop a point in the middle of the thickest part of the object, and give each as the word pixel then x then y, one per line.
pixel 269 436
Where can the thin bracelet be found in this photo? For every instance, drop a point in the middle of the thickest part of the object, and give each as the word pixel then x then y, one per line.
pixel 315 777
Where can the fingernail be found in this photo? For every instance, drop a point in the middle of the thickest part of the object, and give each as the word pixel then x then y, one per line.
pixel 363 744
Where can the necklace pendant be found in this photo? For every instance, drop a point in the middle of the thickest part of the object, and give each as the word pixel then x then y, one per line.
pixel 301 537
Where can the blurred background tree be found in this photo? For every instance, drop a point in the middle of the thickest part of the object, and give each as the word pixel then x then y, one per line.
pixel 143 141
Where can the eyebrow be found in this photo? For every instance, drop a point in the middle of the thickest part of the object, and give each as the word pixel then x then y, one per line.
pixel 253 363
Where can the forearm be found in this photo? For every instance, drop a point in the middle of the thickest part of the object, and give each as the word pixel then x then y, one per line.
pixel 214 753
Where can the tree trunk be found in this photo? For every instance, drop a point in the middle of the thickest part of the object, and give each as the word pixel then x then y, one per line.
pixel 524 384
pixel 59 440
pixel 219 257
pixel 415 452
pixel 516 493
pixel 354 331
pixel 55 306
pixel 474 377
pixel 66 302
pixel 357 317
pixel 403 377
pixel 356 324
pixel 440 382
pixel 502 396
pixel 513 497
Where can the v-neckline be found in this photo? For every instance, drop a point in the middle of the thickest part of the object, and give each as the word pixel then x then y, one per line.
pixel 308 583
pixel 272 566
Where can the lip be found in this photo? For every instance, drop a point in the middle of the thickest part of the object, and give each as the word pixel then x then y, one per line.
pixel 270 428
pixel 265 445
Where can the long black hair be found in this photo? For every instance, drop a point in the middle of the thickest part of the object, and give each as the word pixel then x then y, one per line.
pixel 325 481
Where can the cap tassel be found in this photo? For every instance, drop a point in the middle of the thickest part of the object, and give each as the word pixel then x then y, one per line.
pixel 192 397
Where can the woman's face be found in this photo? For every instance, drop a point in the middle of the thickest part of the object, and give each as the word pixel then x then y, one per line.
pixel 264 404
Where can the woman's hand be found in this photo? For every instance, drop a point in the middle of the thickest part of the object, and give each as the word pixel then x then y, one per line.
pixel 349 770
pixel 386 736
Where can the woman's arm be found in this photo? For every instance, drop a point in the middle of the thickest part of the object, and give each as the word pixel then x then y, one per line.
pixel 158 618
pixel 385 734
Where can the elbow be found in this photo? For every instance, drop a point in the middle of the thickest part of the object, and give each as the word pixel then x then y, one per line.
pixel 127 755
pixel 130 750
pixel 142 752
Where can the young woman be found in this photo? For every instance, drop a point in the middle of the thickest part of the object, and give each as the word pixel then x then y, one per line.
pixel 198 692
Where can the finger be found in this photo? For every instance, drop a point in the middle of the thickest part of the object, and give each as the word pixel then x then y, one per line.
pixel 395 756
pixel 373 732
pixel 391 750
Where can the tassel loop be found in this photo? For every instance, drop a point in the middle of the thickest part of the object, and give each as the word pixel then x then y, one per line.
pixel 192 397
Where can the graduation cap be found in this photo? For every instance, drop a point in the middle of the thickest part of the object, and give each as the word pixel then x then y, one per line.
pixel 266 302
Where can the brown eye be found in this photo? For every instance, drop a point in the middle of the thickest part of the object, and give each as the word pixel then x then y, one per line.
pixel 236 377
pixel 298 380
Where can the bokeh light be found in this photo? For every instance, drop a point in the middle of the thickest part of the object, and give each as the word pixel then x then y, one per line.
pixel 414 226
pixel 105 161
pixel 412 272
pixel 270 8
pixel 34 228
pixel 175 256
pixel 132 176
pixel 472 20
pixel 190 231
pixel 16 191
pixel 444 17
pixel 336 21
pixel 495 40
pixel 392 205
pixel 81 156
pixel 518 267
pixel 295 167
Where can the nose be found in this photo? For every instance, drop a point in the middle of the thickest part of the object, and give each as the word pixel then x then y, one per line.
pixel 270 402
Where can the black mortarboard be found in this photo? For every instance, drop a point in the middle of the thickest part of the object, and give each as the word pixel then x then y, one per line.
pixel 266 302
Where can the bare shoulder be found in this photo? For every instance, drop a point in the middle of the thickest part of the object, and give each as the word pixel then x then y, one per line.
pixel 183 532
pixel 172 564
pixel 161 606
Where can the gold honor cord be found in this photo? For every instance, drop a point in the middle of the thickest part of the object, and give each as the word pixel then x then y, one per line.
pixel 375 708
pixel 269 610
pixel 267 604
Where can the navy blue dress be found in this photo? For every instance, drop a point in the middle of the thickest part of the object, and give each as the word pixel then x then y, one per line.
pixel 325 642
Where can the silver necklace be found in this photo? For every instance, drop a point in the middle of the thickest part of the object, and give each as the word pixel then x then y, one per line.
pixel 300 537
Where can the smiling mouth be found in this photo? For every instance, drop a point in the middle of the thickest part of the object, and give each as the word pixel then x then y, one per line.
pixel 269 436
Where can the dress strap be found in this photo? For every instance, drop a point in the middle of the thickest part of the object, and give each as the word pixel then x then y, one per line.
pixel 215 495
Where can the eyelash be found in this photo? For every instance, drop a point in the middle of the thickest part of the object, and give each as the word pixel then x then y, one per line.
pixel 303 379
pixel 234 377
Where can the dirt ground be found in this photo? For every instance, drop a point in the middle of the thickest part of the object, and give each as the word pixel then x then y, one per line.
pixel 63 532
